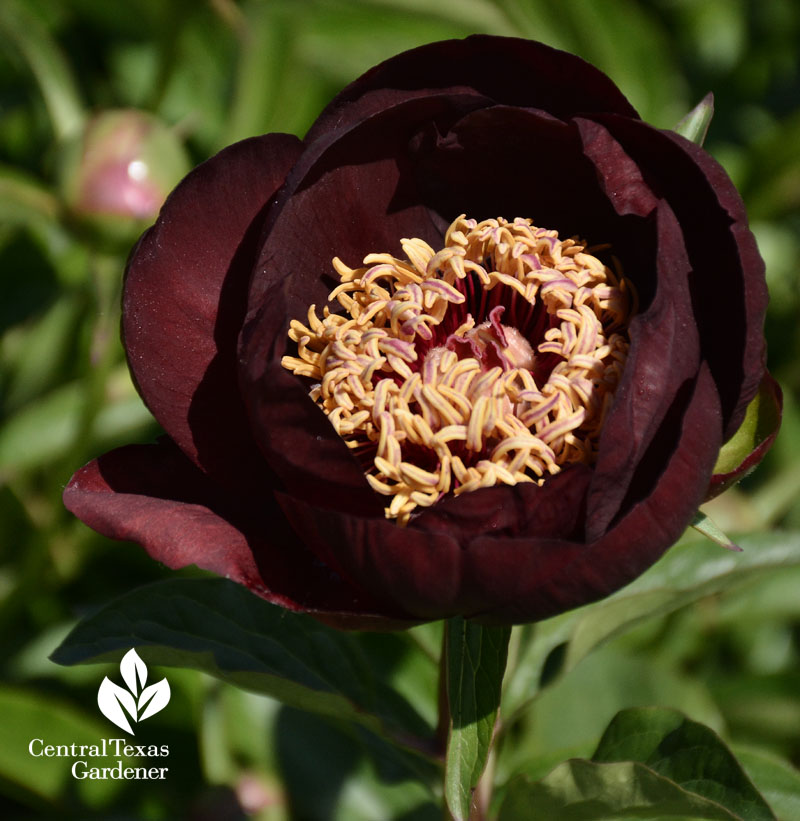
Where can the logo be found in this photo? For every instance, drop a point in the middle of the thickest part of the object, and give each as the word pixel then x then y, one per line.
pixel 116 758
pixel 138 701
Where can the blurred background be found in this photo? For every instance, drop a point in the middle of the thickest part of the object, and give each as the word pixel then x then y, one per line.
pixel 104 106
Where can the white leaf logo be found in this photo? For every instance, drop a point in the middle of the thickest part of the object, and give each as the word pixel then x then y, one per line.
pixel 111 698
pixel 138 701
pixel 158 697
pixel 134 671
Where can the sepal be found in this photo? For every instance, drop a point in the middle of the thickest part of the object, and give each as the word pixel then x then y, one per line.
pixel 747 447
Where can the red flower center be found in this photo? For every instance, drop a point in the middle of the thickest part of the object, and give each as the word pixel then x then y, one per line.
pixel 492 361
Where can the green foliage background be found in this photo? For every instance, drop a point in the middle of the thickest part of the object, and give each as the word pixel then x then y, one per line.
pixel 217 71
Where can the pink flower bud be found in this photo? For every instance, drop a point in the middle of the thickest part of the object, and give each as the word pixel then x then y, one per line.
pixel 121 168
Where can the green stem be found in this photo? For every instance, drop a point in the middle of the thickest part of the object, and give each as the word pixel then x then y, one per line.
pixel 104 349
pixel 443 724
pixel 24 200
pixel 25 31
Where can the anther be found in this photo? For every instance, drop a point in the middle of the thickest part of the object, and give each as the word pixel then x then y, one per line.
pixel 493 360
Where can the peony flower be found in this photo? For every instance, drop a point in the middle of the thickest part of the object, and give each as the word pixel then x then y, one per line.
pixel 472 347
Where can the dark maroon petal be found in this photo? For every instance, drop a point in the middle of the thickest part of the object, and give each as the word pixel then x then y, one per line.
pixel 302 447
pixel 346 200
pixel 353 193
pixel 533 581
pixel 154 496
pixel 619 176
pixel 505 70
pixel 769 423
pixel 185 298
pixel 512 162
pixel 665 348
pixel 413 570
pixel 503 579
pixel 728 286
pixel 556 510
pixel 420 568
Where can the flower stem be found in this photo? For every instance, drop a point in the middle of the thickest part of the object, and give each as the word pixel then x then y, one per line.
pixel 443 724
pixel 22 28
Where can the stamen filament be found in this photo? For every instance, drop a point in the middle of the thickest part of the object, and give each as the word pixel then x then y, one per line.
pixel 491 361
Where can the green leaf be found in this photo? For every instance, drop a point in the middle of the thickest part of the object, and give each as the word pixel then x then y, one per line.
pixel 687 753
pixel 341 40
pixel 704 524
pixel 28 715
pixel 37 354
pixel 232 732
pixel 221 628
pixel 688 572
pixel 580 790
pixel 694 126
pixel 479 15
pixel 476 662
pixel 24 200
pixel 778 781
pixel 398 660
pixel 616 36
pixel 44 429
pixel 355 775
pixel 762 707
pixel 568 718
pixel 264 57
pixel 619 37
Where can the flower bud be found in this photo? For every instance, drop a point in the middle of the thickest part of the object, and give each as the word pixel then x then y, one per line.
pixel 118 172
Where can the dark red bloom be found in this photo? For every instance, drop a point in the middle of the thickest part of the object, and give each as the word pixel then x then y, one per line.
pixel 254 483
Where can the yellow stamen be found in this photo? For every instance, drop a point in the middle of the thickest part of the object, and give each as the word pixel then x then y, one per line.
pixel 432 412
